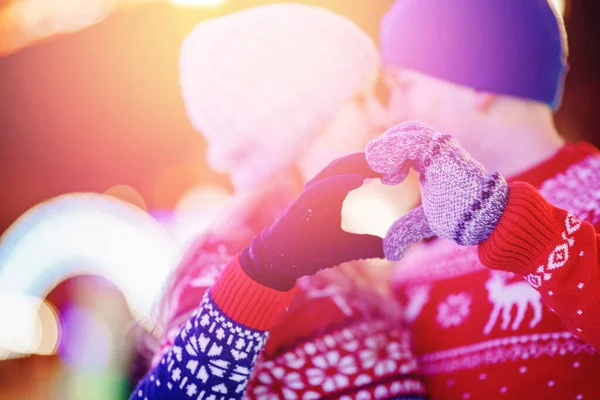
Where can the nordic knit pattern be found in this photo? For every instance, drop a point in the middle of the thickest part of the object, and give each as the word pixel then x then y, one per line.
pixel 529 329
pixel 211 358
pixel 369 359
pixel 461 201
pixel 214 355
pixel 478 334
pixel 349 349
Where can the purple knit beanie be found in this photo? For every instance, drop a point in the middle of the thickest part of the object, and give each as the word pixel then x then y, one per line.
pixel 511 47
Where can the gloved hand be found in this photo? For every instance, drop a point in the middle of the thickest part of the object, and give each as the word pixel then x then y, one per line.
pixel 460 201
pixel 308 236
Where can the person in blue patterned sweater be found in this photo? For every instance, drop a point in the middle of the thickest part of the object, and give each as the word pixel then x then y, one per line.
pixel 279 91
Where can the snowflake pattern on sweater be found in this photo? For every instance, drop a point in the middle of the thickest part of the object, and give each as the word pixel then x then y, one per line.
pixel 362 360
pixel 523 334
pixel 477 333
pixel 370 351
pixel 211 359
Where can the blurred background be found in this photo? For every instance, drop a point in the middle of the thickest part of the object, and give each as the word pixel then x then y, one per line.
pixel 90 104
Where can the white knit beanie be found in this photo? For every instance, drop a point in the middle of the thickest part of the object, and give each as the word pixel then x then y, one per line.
pixel 261 84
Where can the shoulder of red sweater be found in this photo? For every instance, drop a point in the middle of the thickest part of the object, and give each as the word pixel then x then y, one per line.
pixel 569 155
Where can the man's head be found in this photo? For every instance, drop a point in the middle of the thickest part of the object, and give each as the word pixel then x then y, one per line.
pixel 449 63
pixel 264 83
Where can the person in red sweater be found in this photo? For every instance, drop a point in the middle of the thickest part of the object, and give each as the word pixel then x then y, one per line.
pixel 502 298
pixel 278 91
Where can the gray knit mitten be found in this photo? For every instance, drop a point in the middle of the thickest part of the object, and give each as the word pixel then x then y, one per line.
pixel 460 201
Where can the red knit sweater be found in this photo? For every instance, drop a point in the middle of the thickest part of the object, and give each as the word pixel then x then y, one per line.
pixel 329 336
pixel 477 333
pixel 484 334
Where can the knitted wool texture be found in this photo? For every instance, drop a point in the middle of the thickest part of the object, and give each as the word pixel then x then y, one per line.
pixel 410 229
pixel 262 83
pixel 461 202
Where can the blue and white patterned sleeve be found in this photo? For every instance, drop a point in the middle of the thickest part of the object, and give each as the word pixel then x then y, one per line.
pixel 211 359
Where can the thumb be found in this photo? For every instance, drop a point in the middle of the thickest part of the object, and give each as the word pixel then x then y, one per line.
pixel 398 177
pixel 411 228
pixel 360 247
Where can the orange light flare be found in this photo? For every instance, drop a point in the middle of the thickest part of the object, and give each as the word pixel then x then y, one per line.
pixel 202 3
pixel 23 22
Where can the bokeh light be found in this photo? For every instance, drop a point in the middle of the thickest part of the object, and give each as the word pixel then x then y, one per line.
pixel 87 233
pixel 25 21
pixel 51 330
pixel 29 326
pixel 203 3
pixel 127 194
pixel 174 181
pixel 195 212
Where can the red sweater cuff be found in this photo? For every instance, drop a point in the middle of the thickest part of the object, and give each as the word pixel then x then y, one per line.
pixel 526 229
pixel 246 301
